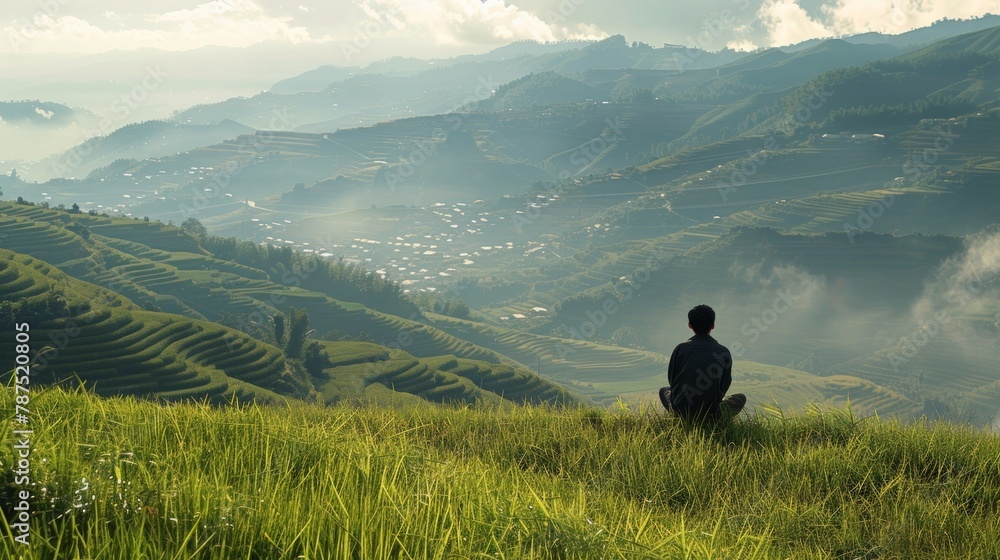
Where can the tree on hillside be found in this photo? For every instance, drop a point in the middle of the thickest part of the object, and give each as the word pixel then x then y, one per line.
pixel 80 229
pixel 278 321
pixel 316 359
pixel 193 227
pixel 297 330
pixel 45 307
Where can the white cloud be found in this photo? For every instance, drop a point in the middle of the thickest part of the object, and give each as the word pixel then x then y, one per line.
pixel 231 23
pixel 459 22
pixel 45 114
pixel 742 40
pixel 745 45
pixel 787 23
pixel 897 16
pixel 303 8
pixel 212 11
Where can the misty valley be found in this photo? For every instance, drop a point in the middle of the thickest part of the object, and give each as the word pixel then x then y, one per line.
pixel 409 249
pixel 842 225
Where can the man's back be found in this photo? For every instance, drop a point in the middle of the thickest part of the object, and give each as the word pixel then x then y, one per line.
pixel 700 372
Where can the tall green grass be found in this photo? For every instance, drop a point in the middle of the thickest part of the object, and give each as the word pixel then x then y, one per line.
pixel 123 478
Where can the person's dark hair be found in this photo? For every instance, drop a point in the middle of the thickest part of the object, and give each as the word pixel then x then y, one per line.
pixel 702 319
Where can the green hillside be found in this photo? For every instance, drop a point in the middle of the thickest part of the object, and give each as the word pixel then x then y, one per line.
pixel 142 352
pixel 364 372
pixel 120 478
pixel 85 333
pixel 850 172
pixel 543 89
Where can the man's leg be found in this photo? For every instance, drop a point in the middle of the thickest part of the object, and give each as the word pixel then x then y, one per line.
pixel 665 398
pixel 733 404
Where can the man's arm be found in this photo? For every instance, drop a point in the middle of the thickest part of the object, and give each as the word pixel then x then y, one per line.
pixel 673 366
pixel 727 374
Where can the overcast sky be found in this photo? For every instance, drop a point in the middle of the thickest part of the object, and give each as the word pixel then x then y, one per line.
pixel 362 30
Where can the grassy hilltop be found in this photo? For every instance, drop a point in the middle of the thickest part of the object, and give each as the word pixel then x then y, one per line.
pixel 121 478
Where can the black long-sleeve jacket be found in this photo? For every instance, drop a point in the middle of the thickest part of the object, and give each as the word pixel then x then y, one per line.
pixel 700 372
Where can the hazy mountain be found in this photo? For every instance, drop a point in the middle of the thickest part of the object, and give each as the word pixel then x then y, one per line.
pixel 573 176
pixel 539 90
pixel 40 113
pixel 34 129
pixel 325 77
pixel 148 140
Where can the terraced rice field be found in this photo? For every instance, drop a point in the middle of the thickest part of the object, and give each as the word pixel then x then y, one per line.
pixel 45 241
pixel 148 354
pixel 357 366
pixel 418 339
pixel 150 234
pixel 944 367
pixel 116 349
pixel 565 361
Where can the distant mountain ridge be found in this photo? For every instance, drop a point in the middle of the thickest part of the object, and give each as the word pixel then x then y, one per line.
pixel 540 194
pixel 917 37
pixel 139 141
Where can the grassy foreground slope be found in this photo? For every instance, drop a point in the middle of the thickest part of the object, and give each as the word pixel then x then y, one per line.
pixel 121 478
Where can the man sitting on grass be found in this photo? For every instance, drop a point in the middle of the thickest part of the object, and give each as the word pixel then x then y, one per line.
pixel 700 372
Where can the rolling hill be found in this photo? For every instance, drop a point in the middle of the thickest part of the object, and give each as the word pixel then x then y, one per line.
pixel 154 339
pixel 836 170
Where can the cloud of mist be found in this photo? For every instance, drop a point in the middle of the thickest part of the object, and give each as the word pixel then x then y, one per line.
pixel 965 283
pixel 806 288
